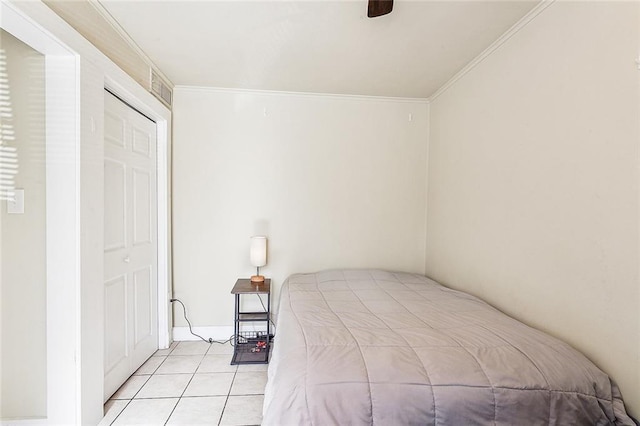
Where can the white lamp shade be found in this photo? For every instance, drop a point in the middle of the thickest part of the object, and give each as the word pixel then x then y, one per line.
pixel 258 251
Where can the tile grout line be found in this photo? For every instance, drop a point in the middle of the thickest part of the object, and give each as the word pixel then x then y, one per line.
pixel 121 411
pixel 155 372
pixel 190 380
pixel 148 378
pixel 188 383
pixel 178 401
pixel 180 397
pixel 228 394
pixel 134 395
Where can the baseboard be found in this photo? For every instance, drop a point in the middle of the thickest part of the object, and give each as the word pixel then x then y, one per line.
pixel 216 333
pixel 30 421
pixel 219 333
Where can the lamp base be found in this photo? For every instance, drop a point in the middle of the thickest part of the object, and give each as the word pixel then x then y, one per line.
pixel 257 278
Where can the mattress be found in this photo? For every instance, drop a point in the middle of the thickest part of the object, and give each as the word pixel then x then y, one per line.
pixel 362 347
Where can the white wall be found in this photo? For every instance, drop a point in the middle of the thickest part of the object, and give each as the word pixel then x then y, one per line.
pixel 332 181
pixel 533 182
pixel 23 337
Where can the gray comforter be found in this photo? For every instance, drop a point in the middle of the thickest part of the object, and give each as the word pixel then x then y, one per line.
pixel 384 348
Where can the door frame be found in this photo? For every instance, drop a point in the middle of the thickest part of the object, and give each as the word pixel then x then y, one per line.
pixel 76 75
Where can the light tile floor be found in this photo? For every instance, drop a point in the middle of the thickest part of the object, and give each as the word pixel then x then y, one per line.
pixel 191 383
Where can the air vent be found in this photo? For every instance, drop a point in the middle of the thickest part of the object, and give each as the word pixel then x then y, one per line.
pixel 161 89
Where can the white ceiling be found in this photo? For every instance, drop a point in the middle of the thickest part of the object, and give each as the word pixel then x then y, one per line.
pixel 316 46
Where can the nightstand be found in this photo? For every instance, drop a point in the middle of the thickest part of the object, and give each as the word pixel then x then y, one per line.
pixel 251 347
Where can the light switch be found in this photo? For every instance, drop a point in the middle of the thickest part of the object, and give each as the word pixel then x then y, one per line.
pixel 16 206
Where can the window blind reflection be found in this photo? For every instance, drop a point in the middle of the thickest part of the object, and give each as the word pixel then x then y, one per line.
pixel 8 153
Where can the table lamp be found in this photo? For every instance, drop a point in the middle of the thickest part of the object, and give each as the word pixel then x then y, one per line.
pixel 258 256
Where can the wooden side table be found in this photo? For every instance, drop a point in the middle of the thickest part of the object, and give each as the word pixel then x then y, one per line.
pixel 251 347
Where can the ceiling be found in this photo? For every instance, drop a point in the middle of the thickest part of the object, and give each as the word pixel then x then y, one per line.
pixel 319 46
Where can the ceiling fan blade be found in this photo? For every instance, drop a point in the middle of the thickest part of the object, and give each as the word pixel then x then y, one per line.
pixel 379 8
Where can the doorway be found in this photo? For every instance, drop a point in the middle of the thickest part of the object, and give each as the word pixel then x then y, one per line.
pixel 23 257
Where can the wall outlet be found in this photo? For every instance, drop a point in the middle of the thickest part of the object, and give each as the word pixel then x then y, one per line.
pixel 16 205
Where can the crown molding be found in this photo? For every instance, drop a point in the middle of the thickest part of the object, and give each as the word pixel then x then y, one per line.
pixel 299 94
pixel 523 22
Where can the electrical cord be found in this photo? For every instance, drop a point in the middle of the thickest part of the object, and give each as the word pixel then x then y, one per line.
pixel 210 340
pixel 265 309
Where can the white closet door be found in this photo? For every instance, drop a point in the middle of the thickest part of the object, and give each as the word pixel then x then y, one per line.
pixel 130 242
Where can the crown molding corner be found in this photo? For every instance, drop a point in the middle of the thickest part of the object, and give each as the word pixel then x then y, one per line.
pixel 523 22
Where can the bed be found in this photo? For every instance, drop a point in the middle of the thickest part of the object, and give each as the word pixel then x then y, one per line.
pixel 358 347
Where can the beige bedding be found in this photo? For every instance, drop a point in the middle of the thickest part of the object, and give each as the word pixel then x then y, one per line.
pixel 375 347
